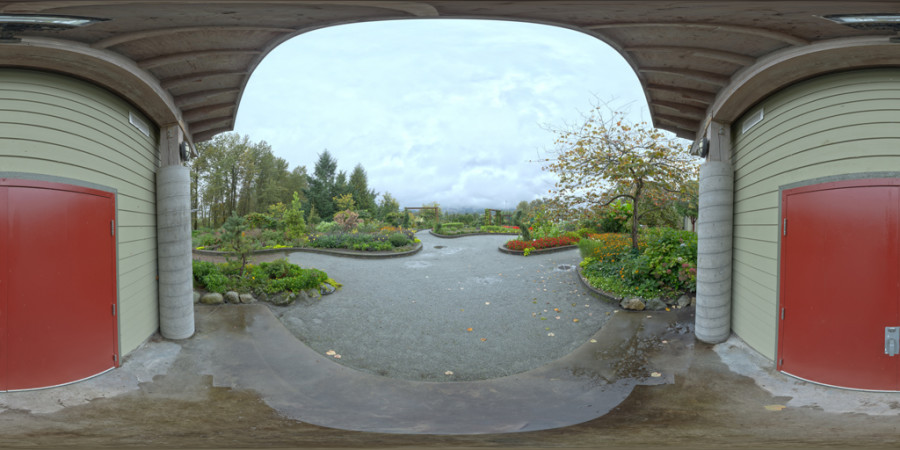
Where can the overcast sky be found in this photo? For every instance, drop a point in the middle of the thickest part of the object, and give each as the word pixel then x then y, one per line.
pixel 447 111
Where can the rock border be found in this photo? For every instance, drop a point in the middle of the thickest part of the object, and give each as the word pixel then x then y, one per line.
pixel 503 249
pixel 333 252
pixel 455 236
pixel 619 299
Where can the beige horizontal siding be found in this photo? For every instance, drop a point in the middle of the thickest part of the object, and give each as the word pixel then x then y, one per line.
pixel 59 127
pixel 831 126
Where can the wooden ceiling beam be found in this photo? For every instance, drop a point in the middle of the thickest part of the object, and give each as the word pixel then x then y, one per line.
pixel 750 31
pixel 714 79
pixel 154 34
pixel 197 77
pixel 196 98
pixel 731 57
pixel 177 58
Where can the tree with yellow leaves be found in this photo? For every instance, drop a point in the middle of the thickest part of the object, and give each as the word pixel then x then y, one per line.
pixel 606 159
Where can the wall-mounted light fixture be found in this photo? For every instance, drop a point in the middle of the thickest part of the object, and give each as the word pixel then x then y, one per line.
pixel 12 24
pixel 886 21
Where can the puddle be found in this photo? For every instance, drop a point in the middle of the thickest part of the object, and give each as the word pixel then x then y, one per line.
pixel 440 246
pixel 416 264
pixel 564 268
pixel 486 280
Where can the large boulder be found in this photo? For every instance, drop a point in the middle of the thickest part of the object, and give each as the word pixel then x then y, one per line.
pixel 655 304
pixel 232 297
pixel 212 298
pixel 282 298
pixel 684 301
pixel 632 304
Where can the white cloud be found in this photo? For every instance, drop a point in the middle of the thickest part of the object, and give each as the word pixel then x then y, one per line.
pixel 435 110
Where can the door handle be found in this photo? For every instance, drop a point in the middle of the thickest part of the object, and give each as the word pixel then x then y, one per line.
pixel 891 340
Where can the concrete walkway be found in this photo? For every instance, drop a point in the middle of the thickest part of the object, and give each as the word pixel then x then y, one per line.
pixel 304 385
pixel 244 381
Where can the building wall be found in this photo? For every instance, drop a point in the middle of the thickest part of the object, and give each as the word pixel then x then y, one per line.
pixel 63 129
pixel 841 126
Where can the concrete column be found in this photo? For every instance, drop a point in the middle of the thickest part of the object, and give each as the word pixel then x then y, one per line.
pixel 173 234
pixel 715 229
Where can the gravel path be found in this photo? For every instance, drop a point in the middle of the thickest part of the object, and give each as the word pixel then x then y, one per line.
pixel 410 318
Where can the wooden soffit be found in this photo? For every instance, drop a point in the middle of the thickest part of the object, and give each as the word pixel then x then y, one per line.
pixel 691 58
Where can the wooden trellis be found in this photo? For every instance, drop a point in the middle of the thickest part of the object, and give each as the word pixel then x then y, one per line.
pixel 495 213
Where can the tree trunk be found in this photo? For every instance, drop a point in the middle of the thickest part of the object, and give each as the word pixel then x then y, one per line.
pixel 634 216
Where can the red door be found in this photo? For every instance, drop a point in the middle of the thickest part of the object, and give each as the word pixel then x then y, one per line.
pixel 840 283
pixel 57 284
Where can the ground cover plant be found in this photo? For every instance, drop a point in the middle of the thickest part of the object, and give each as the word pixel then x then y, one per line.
pixel 260 280
pixel 663 266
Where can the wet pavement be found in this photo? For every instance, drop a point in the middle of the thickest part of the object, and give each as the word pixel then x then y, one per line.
pixel 245 381
pixel 242 381
pixel 459 310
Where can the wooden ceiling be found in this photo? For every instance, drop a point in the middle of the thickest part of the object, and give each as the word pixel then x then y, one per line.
pixel 685 53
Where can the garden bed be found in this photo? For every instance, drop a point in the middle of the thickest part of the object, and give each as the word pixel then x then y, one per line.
pixel 417 247
pixel 503 249
pixel 608 296
pixel 454 236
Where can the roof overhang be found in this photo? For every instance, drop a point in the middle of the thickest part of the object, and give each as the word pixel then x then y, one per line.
pixel 188 62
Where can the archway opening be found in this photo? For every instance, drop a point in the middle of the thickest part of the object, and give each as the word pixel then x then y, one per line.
pixel 453 112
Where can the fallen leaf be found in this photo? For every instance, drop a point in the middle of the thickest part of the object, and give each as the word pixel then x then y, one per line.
pixel 469 329
pixel 593 341
pixel 667 309
pixel 649 317
pixel 550 334
pixel 543 318
pixel 573 304
pixel 557 317
pixel 487 303
pixel 533 314
pixel 775 407
pixel 556 309
pixel 483 339
pixel 448 373
pixel 461 310
pixel 655 374
pixel 547 328
pixel 665 342
pixel 337 356
pixel 330 353
pixel 574 320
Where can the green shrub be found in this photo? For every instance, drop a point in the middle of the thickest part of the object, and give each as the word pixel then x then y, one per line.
pixel 305 280
pixel 398 240
pixel 327 227
pixel 665 265
pixel 258 220
pixel 215 282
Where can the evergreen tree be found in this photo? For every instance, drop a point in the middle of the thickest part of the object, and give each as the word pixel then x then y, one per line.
pixel 321 187
pixel 359 188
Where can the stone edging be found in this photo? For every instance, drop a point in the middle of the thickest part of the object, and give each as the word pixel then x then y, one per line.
pixel 503 249
pixel 333 252
pixel 454 236
pixel 602 294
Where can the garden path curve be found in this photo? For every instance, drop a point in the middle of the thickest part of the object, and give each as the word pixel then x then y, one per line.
pixel 459 310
